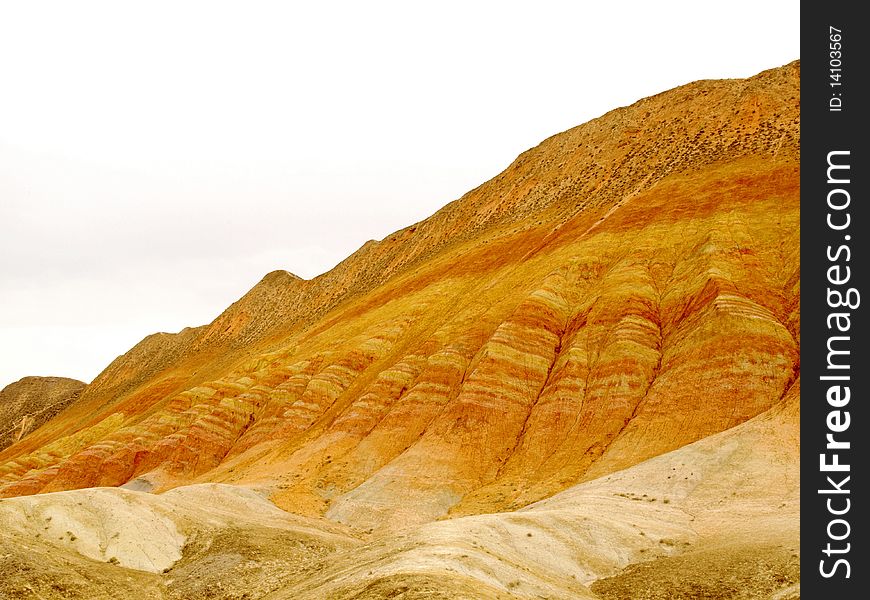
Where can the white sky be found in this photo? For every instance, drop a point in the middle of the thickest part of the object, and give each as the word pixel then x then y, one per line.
pixel 158 158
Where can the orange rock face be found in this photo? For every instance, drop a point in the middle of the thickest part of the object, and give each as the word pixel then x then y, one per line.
pixel 625 288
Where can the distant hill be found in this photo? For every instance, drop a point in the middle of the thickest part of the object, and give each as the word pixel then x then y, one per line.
pixel 28 403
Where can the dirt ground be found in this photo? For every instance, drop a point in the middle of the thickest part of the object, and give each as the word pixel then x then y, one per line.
pixel 733 573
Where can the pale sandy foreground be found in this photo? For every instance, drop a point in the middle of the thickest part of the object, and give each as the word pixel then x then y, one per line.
pixel 715 519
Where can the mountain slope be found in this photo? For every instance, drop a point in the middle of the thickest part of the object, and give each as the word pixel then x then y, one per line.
pixel 624 289
pixel 28 403
pixel 697 522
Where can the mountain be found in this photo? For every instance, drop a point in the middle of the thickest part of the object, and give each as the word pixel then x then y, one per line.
pixel 580 379
pixel 28 403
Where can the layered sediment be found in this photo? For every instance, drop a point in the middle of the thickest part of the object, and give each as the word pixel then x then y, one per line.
pixel 624 290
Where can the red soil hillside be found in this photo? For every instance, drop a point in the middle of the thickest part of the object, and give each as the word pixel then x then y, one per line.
pixel 625 288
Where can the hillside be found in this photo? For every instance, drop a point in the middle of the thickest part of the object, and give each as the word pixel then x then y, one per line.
pixel 28 403
pixel 695 523
pixel 618 308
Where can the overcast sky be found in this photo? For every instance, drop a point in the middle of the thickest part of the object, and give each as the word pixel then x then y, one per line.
pixel 158 158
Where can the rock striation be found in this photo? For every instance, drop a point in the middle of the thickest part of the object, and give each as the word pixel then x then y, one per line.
pixel 716 518
pixel 625 289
